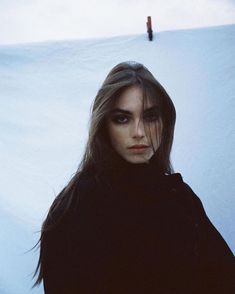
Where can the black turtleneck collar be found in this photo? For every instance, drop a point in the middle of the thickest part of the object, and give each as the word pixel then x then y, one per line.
pixel 118 168
pixel 137 179
pixel 128 168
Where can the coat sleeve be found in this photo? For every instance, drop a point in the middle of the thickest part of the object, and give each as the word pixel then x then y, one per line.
pixel 75 257
pixel 217 260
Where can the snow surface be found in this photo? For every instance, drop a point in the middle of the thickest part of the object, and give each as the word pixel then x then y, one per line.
pixel 46 94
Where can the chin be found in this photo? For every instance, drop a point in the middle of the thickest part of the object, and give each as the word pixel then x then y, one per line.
pixel 137 160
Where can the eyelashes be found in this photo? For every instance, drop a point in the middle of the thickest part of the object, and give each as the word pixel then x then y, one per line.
pixel 121 119
pixel 152 116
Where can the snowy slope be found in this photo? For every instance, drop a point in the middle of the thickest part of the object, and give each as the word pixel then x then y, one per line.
pixel 46 90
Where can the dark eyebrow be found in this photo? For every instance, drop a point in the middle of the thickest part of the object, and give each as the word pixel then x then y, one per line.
pixel 150 109
pixel 120 110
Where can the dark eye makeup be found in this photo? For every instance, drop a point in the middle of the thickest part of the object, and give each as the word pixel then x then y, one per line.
pixel 120 119
pixel 152 116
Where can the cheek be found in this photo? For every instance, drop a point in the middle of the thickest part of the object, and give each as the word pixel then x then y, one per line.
pixel 117 135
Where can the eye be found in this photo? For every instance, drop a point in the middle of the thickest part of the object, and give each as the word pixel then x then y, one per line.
pixel 151 116
pixel 120 119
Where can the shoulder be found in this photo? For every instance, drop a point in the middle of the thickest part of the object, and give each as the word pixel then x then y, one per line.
pixel 183 191
pixel 82 191
pixel 179 184
pixel 175 179
pixel 176 184
pixel 89 187
pixel 71 208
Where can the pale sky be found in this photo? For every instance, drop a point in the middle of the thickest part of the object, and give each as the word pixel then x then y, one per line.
pixel 40 20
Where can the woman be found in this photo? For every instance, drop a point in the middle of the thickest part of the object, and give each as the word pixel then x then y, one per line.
pixel 126 223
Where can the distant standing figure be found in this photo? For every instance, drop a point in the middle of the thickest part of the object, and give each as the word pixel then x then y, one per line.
pixel 126 223
pixel 149 28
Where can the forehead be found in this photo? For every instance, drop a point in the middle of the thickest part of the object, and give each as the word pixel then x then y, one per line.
pixel 132 99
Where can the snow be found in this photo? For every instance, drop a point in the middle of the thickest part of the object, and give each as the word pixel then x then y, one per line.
pixel 46 94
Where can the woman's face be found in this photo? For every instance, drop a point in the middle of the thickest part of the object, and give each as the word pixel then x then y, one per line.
pixel 134 132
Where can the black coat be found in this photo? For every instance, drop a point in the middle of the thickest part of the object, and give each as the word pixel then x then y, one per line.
pixel 136 231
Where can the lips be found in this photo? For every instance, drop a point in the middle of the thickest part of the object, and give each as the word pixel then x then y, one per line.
pixel 139 146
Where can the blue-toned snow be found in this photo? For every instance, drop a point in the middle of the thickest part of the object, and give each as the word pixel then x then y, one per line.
pixel 46 90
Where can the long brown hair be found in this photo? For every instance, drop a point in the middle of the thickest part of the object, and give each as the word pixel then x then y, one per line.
pixel 98 151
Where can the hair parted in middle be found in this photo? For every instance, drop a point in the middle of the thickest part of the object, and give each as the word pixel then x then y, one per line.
pixel 124 75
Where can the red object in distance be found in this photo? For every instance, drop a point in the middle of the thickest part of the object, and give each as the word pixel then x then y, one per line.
pixel 149 23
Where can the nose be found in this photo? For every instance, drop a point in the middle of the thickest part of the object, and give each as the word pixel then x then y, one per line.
pixel 138 130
